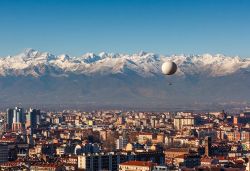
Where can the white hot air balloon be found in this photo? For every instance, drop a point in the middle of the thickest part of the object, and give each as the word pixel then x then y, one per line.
pixel 168 68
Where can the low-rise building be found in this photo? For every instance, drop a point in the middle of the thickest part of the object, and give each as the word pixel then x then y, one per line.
pixel 137 166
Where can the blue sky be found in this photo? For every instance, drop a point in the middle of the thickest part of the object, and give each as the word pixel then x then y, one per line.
pixel 127 26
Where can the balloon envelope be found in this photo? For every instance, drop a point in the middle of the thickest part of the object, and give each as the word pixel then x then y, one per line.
pixel 169 68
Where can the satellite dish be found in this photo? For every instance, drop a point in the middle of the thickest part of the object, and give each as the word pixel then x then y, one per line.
pixel 168 68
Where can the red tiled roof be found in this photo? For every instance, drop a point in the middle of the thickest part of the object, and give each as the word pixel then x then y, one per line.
pixel 7 139
pixel 11 163
pixel 139 163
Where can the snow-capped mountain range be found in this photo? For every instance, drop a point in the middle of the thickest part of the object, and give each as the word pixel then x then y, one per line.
pixel 107 79
pixel 34 63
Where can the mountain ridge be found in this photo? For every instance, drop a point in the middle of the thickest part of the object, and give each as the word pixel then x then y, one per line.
pixel 123 80
pixel 143 64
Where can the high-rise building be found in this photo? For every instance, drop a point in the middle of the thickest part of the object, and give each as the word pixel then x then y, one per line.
pixel 38 116
pixel 9 118
pixel 18 119
pixel 15 119
pixel 18 115
pixel 32 118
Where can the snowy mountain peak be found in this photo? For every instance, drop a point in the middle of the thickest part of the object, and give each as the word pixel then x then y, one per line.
pixel 64 57
pixel 29 51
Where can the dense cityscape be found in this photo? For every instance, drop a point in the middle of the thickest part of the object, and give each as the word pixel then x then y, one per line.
pixel 124 140
pixel 124 85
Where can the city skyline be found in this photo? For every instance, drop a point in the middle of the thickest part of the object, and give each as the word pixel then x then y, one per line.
pixel 124 140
